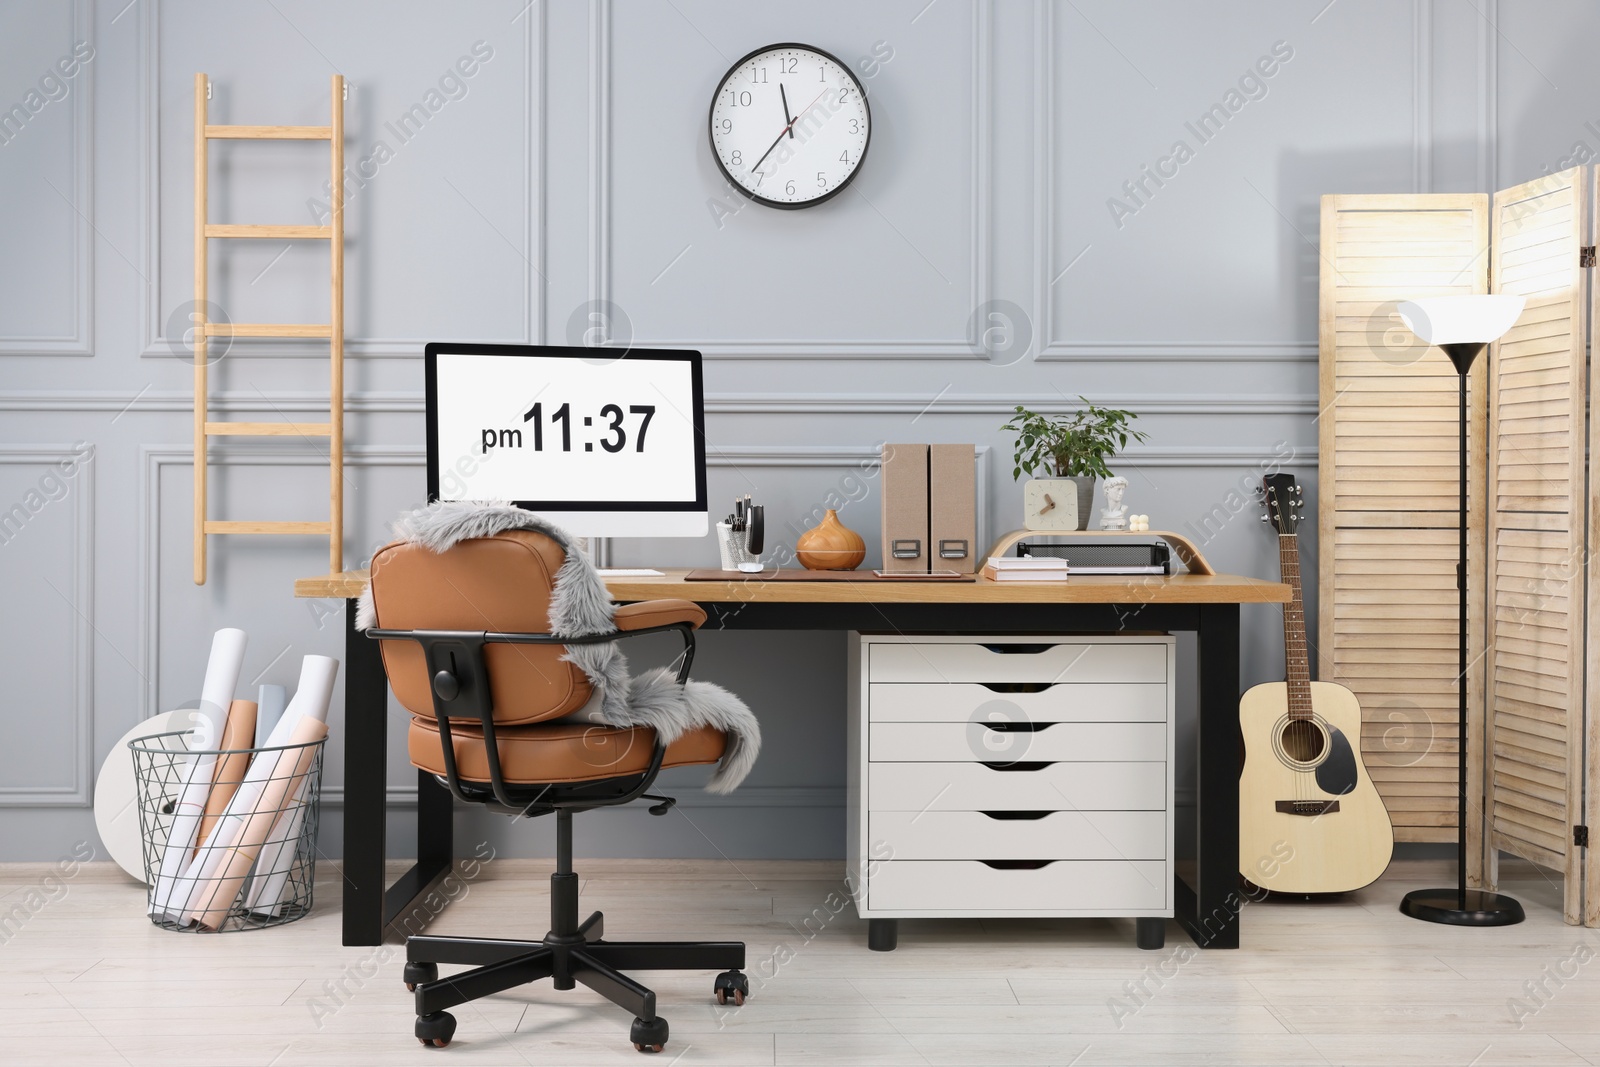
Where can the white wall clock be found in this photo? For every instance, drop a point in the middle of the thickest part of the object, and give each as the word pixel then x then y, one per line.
pixel 789 125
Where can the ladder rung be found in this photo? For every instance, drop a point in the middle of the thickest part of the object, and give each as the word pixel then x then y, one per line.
pixel 268 329
pixel 263 230
pixel 213 527
pixel 268 429
pixel 271 133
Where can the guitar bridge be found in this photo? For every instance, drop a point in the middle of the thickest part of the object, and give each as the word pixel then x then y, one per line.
pixel 1307 807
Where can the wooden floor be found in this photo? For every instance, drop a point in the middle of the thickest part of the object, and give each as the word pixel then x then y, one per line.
pixel 84 978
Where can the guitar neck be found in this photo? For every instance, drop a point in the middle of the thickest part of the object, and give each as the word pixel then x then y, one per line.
pixel 1297 662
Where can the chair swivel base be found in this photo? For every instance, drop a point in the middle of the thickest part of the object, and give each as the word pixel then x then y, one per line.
pixel 580 957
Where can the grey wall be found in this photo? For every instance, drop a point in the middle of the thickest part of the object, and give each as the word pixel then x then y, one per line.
pixel 572 167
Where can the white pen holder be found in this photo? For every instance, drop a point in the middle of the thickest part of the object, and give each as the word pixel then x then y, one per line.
pixel 730 543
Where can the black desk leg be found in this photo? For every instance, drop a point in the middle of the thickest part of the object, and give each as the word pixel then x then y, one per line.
pixel 366 709
pixel 1209 910
pixel 368 906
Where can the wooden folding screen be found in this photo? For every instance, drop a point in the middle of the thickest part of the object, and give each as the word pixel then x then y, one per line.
pixel 1388 485
pixel 1535 663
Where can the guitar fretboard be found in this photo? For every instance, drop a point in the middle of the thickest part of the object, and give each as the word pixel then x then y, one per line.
pixel 1297 662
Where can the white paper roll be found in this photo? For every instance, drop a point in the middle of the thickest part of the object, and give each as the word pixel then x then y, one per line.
pixel 311 699
pixel 195 773
pixel 272 867
pixel 269 709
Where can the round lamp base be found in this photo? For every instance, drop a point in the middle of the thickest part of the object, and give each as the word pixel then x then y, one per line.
pixel 1479 908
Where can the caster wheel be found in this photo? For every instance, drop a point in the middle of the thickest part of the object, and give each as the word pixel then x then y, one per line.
pixel 648 1036
pixel 732 986
pixel 436 1029
pixel 420 974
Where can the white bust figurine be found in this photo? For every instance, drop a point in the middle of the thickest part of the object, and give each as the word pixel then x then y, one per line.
pixel 1114 516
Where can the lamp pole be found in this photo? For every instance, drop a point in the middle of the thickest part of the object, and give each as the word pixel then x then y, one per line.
pixel 1462 906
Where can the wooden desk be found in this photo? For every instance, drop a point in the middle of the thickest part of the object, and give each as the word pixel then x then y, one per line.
pixel 1208 902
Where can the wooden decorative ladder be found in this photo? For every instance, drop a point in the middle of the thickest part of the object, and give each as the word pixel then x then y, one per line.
pixel 333 330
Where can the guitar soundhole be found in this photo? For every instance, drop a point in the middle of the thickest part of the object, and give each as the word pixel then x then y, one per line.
pixel 1303 742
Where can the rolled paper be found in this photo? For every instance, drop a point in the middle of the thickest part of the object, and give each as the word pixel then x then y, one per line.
pixel 310 703
pixel 277 857
pixel 269 709
pixel 216 896
pixel 196 772
pixel 238 738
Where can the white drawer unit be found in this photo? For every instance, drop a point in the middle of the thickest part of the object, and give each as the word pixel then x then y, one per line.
pixel 1011 775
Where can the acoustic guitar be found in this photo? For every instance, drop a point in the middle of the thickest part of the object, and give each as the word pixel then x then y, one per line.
pixel 1310 819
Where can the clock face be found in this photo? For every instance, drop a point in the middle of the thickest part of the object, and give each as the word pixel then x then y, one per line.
pixel 1050 504
pixel 789 125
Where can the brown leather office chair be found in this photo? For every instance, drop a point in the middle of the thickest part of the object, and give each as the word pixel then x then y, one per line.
pixel 468 651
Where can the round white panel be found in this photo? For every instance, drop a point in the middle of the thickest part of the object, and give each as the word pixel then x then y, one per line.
pixel 116 810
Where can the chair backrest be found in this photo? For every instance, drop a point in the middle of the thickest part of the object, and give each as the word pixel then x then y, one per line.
pixel 501 583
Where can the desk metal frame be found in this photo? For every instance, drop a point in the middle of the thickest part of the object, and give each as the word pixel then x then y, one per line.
pixel 1207 897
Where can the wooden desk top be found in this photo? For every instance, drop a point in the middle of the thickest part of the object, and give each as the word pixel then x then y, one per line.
pixel 1085 589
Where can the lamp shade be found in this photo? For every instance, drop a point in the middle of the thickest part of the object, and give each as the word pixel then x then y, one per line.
pixel 1449 320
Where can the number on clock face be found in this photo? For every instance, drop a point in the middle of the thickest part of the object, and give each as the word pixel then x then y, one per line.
pixel 615 439
pixel 789 125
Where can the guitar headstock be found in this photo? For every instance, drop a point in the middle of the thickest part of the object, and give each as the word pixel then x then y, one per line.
pixel 1284 501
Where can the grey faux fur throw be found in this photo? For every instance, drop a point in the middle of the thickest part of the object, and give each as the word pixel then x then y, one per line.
pixel 580 606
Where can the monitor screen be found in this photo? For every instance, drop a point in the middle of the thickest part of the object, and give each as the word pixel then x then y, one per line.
pixel 603 443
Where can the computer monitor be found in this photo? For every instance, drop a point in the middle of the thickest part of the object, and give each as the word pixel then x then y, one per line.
pixel 602 443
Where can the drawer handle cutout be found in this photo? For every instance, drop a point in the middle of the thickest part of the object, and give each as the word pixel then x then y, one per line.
pixel 1017 865
pixel 1019 650
pixel 1017 727
pixel 1006 816
pixel 1017 687
pixel 1037 765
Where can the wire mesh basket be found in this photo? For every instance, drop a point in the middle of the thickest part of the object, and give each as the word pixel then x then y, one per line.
pixel 229 835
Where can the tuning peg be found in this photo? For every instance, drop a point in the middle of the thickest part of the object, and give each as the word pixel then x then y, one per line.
pixel 1266 518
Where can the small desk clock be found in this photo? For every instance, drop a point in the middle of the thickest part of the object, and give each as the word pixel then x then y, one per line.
pixel 1050 504
pixel 789 126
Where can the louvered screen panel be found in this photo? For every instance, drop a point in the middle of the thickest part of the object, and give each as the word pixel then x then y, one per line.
pixel 1535 661
pixel 1388 492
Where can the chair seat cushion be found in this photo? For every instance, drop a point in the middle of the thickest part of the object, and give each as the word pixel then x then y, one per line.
pixel 554 752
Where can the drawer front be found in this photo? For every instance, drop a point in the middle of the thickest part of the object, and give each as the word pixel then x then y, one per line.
pixel 1060 835
pixel 1067 661
pixel 1081 742
pixel 1062 702
pixel 917 787
pixel 1108 887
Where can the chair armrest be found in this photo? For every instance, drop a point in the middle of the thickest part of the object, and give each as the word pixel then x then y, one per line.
pixel 649 613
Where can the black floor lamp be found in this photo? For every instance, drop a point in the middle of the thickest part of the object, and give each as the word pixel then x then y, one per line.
pixel 1463 326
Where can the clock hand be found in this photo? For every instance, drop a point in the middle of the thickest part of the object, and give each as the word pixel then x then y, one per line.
pixel 1048 504
pixel 786 117
pixel 788 128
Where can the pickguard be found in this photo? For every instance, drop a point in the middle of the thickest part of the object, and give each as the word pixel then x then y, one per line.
pixel 1338 773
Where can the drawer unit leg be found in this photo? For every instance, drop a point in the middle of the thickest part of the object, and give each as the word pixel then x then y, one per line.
pixel 883 934
pixel 1150 933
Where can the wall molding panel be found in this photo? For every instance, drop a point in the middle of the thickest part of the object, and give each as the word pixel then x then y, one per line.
pixel 760 349
pixel 1048 347
pixel 534 159
pixel 152 401
pixel 79 665
pixel 80 342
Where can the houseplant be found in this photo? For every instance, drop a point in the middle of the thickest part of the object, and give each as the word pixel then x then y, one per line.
pixel 1074 446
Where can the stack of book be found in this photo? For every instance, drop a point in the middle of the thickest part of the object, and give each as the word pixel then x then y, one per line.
pixel 1025 569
